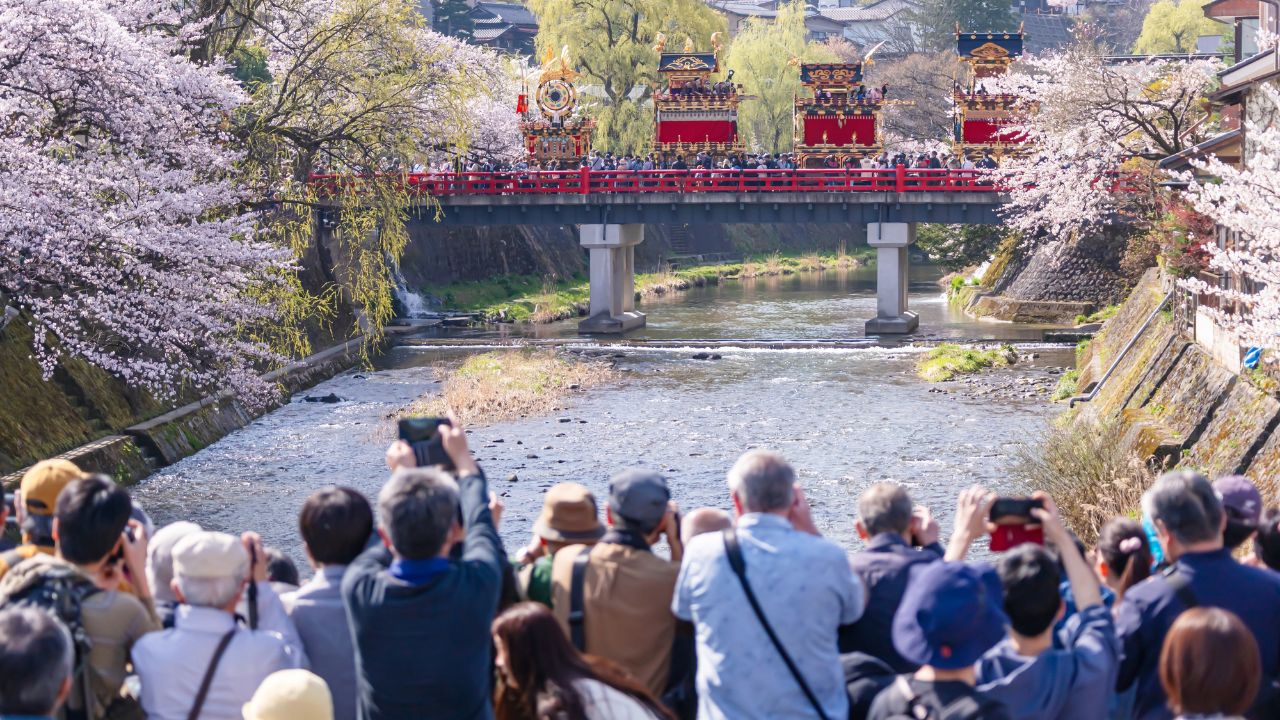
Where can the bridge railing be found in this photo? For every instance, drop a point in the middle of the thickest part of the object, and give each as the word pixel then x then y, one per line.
pixel 590 182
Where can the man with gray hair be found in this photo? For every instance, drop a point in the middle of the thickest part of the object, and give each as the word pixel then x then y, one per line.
pixel 207 646
pixel 36 656
pixel 899 537
pixel 419 619
pixel 803 589
pixel 1186 516
pixel 160 567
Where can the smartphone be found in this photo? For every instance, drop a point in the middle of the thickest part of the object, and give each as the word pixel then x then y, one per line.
pixel 423 435
pixel 1004 537
pixel 1014 511
pixel 11 507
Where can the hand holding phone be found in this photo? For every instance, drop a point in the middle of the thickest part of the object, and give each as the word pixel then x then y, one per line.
pixel 1014 522
pixel 423 436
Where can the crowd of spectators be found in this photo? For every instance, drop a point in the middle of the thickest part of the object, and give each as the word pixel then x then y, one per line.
pixel 634 611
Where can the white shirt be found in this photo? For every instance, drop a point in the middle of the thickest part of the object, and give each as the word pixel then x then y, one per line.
pixel 604 702
pixel 172 663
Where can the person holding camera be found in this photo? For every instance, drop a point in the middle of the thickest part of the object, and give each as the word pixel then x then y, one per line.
pixel 208 665
pixel 97 547
pixel 33 507
pixel 419 620
pixel 613 599
pixel 898 537
pixel 767 597
pixel 1027 671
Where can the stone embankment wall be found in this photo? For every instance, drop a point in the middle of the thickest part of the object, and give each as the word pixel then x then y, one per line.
pixel 1173 403
pixel 1055 280
pixel 439 254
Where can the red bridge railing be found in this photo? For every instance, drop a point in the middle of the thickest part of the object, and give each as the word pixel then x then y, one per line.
pixel 590 182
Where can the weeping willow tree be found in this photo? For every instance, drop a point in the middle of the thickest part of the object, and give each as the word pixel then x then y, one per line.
pixel 762 60
pixel 363 89
pixel 612 44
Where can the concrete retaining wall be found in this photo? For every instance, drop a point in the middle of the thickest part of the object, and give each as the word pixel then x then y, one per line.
pixel 168 438
pixel 1174 402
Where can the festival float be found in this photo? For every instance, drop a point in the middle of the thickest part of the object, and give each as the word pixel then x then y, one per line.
pixel 838 120
pixel 693 113
pixel 553 129
pixel 981 116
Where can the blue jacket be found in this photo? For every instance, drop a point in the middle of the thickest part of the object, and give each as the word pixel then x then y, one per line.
pixel 1074 682
pixel 1151 606
pixel 884 568
pixel 422 650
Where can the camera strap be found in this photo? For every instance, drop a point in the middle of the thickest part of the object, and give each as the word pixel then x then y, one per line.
pixel 577 606
pixel 736 561
pixel 207 682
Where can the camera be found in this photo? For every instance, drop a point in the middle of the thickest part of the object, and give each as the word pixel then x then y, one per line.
pixel 423 435
pixel 1014 523
pixel 11 507
pixel 1014 511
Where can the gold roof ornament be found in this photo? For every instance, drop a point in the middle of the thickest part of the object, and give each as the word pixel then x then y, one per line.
pixel 557 67
pixel 688 44
pixel 660 43
pixel 715 42
pixel 989 51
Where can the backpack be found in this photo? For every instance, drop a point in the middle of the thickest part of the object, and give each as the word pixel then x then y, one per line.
pixel 61 592
pixel 922 708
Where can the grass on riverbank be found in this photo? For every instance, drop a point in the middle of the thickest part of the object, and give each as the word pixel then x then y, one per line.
pixel 949 361
pixel 526 298
pixel 1102 315
pixel 1091 477
pixel 509 384
pixel 1068 384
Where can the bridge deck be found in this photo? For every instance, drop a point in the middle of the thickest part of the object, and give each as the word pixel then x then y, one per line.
pixel 705 196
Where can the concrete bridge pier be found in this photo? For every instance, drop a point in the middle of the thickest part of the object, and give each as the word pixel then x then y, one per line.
pixel 890 241
pixel 613 288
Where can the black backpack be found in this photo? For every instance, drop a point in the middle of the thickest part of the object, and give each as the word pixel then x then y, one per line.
pixel 61 592
pixel 927 707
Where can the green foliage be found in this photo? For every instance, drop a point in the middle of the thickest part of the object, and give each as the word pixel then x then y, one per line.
pixel 959 246
pixel 1067 385
pixel 948 361
pixel 612 42
pixel 937 20
pixel 761 60
pixel 249 66
pixel 1102 315
pixel 451 17
pixel 1174 27
pixel 1081 348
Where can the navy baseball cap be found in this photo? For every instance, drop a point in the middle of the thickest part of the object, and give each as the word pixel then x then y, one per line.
pixel 1240 499
pixel 640 496
pixel 950 615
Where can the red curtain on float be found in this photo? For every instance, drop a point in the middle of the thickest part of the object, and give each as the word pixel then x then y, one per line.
pixel 987 131
pixel 697 131
pixel 848 131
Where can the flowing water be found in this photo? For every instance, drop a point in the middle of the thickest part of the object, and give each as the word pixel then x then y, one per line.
pixel 846 413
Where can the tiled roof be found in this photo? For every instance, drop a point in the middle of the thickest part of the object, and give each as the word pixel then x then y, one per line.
pixel 1045 32
pixel 509 12
pixel 484 34
pixel 882 10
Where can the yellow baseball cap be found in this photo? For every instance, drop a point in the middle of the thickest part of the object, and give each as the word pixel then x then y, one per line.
pixel 44 481
pixel 290 695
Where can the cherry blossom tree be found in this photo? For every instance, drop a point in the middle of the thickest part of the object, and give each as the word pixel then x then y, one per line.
pixel 1084 121
pixel 1246 201
pixel 121 239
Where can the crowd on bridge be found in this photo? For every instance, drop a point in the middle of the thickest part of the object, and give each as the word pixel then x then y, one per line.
pixel 598 161
pixel 642 611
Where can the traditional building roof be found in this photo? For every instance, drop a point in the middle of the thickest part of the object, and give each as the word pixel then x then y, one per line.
pixel 1045 32
pixel 503 25
pixel 881 10
pixel 509 13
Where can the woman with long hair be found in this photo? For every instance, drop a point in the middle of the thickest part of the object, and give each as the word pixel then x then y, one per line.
pixel 1124 559
pixel 545 678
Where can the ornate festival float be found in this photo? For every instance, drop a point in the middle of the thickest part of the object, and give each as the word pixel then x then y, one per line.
pixel 838 121
pixel 981 116
pixel 553 129
pixel 693 113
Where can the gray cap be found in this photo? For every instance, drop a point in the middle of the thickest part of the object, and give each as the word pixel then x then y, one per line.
pixel 639 496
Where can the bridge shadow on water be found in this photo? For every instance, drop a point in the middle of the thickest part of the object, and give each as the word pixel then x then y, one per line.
pixel 813 307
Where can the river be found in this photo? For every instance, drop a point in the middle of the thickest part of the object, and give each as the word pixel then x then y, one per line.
pixel 846 414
